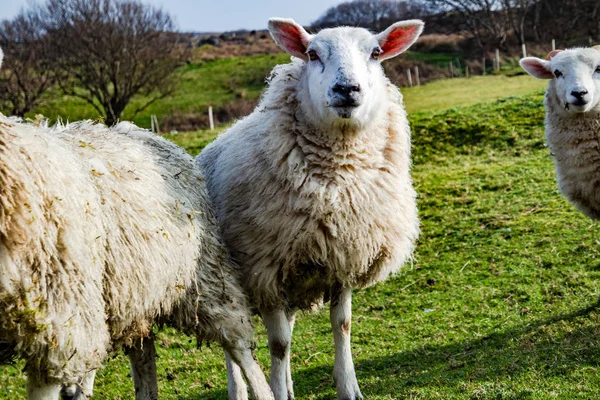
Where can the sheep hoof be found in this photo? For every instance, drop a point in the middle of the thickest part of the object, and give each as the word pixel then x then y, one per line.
pixel 72 392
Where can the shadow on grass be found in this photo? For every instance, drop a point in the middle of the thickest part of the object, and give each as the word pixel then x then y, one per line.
pixel 550 347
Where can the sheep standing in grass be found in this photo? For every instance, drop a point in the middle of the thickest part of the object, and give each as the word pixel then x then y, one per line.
pixel 313 190
pixel 573 121
pixel 102 232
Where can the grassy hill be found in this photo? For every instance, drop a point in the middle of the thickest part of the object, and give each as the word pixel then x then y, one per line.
pixel 225 83
pixel 500 301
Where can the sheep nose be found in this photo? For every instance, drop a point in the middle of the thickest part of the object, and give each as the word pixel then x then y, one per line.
pixel 579 93
pixel 346 90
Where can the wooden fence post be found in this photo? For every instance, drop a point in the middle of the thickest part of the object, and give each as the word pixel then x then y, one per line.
pixel 417 76
pixel 409 77
pixel 497 60
pixel 553 44
pixel 524 50
pixel 466 71
pixel 211 121
pixel 483 66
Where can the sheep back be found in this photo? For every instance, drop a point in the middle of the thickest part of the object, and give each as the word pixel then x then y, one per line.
pixel 101 232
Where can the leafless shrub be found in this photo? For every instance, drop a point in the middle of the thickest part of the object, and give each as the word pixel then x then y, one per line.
pixel 25 73
pixel 109 51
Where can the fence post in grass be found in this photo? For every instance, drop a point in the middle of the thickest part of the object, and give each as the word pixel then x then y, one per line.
pixel 152 124
pixel 157 129
pixel 409 77
pixel 483 66
pixel 524 50
pixel 211 121
pixel 451 68
pixel 497 60
pixel 553 44
pixel 417 76
pixel 466 71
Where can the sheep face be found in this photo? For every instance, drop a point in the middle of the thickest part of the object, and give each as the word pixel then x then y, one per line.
pixel 574 74
pixel 343 82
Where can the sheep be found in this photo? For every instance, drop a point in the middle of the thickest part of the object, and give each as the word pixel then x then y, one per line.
pixel 313 189
pixel 104 232
pixel 573 121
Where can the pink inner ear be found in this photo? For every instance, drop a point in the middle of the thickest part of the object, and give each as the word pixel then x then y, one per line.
pixel 291 38
pixel 399 39
pixel 536 69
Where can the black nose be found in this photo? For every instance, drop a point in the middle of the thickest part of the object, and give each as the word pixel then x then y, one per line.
pixel 346 90
pixel 579 94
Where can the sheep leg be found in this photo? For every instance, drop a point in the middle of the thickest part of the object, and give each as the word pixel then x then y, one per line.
pixel 239 353
pixel 81 391
pixel 142 357
pixel 343 368
pixel 42 391
pixel 236 388
pixel 280 338
pixel 291 316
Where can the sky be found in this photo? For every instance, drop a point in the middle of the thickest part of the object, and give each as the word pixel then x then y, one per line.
pixel 220 15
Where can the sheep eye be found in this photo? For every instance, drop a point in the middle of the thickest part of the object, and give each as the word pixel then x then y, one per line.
pixel 597 70
pixel 375 54
pixel 557 73
pixel 312 55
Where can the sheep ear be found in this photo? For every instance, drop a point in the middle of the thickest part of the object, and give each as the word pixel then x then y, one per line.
pixel 399 37
pixel 290 36
pixel 552 54
pixel 537 67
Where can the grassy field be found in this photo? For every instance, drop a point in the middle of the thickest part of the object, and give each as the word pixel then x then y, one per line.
pixel 499 303
pixel 215 83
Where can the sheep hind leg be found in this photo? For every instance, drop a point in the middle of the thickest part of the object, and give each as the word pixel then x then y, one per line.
pixel 142 357
pixel 236 388
pixel 239 353
pixel 42 391
pixel 280 338
pixel 343 368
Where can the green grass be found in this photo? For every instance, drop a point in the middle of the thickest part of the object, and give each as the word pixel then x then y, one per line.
pixel 439 95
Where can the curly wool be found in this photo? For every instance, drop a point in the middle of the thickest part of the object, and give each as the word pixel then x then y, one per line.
pixel 302 208
pixel 575 143
pixel 102 231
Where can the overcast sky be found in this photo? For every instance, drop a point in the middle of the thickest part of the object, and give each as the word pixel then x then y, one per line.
pixel 220 15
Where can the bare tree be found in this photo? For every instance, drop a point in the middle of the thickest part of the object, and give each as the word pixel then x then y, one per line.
pixel 373 14
pixel 484 18
pixel 108 51
pixel 25 73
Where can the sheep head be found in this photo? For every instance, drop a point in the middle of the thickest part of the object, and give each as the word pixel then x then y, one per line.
pixel 574 75
pixel 343 82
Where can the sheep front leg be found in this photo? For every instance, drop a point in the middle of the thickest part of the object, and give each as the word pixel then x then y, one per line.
pixel 343 368
pixel 82 391
pixel 291 316
pixel 42 391
pixel 240 360
pixel 280 338
pixel 142 357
